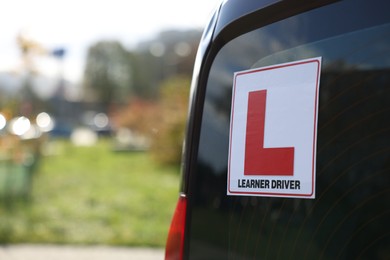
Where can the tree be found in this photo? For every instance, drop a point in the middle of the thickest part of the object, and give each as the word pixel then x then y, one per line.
pixel 173 106
pixel 162 121
pixel 168 54
pixel 108 73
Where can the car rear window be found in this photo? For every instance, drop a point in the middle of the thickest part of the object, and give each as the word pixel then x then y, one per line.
pixel 348 219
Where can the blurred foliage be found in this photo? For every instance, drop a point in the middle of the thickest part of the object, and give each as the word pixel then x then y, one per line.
pixel 108 73
pixel 114 74
pixel 140 115
pixel 19 159
pixel 162 121
pixel 91 195
pixel 168 140
pixel 169 54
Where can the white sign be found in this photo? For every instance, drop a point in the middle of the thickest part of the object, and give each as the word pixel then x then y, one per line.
pixel 273 130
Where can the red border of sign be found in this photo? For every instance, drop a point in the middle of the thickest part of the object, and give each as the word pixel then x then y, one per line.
pixel 314 132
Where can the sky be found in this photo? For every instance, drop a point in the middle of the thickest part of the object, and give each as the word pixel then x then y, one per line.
pixel 77 24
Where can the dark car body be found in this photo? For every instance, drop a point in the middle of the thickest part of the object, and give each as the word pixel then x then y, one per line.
pixel 347 215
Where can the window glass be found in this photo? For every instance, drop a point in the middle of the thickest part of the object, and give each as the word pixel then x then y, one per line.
pixel 348 219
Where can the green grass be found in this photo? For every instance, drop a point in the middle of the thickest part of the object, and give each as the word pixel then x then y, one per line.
pixel 91 195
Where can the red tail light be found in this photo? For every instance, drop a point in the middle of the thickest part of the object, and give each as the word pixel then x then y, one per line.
pixel 175 242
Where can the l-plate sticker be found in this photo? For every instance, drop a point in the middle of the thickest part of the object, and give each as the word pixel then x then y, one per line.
pixel 273 130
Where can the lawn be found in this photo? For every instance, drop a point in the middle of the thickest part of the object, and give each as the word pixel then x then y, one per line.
pixel 92 195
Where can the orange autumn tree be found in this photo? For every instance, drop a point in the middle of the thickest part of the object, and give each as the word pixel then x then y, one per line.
pixel 173 106
pixel 162 121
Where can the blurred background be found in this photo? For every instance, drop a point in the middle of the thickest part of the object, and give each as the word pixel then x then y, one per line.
pixel 93 105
